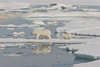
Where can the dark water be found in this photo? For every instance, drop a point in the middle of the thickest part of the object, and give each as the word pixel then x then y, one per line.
pixel 41 55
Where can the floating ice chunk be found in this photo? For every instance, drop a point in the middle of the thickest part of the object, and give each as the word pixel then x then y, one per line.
pixel 20 45
pixel 11 25
pixel 87 51
pixel 10 28
pixel 39 22
pixel 7 26
pixel 91 10
pixel 52 23
pixel 12 55
pixel 58 6
pixel 20 33
pixel 2 45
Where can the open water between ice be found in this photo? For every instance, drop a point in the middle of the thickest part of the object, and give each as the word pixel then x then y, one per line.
pixel 34 54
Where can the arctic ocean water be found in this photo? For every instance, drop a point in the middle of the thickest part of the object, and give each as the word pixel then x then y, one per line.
pixel 25 56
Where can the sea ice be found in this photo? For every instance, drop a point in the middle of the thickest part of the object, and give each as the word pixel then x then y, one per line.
pixel 88 51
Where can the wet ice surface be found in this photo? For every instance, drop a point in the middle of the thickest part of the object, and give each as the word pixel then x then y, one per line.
pixel 41 55
pixel 31 54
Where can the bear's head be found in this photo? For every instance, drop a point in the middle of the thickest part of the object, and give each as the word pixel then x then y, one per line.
pixel 62 34
pixel 35 32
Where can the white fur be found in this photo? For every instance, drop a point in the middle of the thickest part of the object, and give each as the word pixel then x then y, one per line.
pixel 42 33
pixel 67 36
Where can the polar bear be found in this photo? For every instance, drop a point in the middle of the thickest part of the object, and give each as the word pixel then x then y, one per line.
pixel 68 35
pixel 42 33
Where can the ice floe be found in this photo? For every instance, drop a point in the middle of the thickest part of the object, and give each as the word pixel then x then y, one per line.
pixel 89 64
pixel 12 45
pixel 2 46
pixel 14 5
pixel 81 26
pixel 39 23
pixel 51 23
pixel 53 40
pixel 59 15
pixel 87 51
pixel 58 6
pixel 91 10
pixel 6 16
pixel 12 55
pixel 20 33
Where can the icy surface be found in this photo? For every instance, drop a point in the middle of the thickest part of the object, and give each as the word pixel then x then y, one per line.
pixel 89 64
pixel 14 5
pixel 81 26
pixel 4 40
pixel 89 49
pixel 66 14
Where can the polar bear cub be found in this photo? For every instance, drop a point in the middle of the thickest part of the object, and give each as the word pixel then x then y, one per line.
pixel 42 33
pixel 68 35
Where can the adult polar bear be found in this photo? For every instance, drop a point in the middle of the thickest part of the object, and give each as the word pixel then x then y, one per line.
pixel 42 33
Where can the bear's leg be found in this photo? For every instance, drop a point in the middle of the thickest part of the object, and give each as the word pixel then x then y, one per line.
pixel 49 37
pixel 66 37
pixel 37 37
pixel 43 37
pixel 70 37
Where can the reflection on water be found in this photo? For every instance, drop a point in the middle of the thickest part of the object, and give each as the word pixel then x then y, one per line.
pixel 41 55
pixel 34 54
pixel 37 55
pixel 43 49
pixel 1 48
